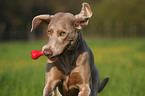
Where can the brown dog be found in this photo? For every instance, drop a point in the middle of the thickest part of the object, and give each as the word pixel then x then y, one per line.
pixel 70 66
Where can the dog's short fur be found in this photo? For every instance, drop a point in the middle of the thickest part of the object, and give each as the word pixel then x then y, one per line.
pixel 70 66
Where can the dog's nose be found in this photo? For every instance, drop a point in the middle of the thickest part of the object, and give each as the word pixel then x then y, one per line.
pixel 48 52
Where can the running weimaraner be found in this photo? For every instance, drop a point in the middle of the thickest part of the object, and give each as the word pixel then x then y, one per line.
pixel 70 66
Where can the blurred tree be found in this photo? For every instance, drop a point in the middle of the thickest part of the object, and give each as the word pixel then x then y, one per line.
pixel 112 18
pixel 123 14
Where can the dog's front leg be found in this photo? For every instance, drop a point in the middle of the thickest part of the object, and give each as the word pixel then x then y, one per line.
pixel 50 87
pixel 53 78
pixel 84 90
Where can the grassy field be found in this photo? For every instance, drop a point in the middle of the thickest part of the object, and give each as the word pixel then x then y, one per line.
pixel 123 61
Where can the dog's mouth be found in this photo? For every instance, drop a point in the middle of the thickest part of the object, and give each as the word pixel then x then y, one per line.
pixel 56 57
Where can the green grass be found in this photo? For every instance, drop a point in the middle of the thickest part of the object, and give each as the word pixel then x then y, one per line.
pixel 123 61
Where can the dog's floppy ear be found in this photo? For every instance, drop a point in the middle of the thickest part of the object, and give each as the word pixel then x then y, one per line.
pixel 40 20
pixel 83 17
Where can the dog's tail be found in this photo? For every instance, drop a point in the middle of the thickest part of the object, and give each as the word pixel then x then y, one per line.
pixel 102 84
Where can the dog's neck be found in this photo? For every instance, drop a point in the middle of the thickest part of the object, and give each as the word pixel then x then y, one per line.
pixel 77 42
pixel 70 56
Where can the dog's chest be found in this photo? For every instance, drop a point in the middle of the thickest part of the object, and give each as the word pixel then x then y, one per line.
pixel 69 86
pixel 67 64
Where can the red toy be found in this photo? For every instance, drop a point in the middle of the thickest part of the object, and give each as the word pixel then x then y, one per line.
pixel 35 54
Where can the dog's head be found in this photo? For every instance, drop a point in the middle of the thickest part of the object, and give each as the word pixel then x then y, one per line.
pixel 62 30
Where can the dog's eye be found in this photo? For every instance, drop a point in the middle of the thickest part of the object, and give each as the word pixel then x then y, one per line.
pixel 62 33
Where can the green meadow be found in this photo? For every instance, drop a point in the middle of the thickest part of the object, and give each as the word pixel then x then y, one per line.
pixel 122 60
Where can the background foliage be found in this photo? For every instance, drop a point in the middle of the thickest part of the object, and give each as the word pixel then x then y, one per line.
pixel 111 18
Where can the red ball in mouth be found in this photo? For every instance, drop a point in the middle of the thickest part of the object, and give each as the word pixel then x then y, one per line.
pixel 36 54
